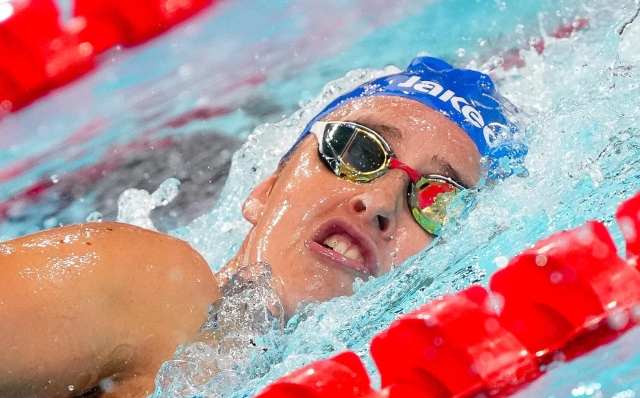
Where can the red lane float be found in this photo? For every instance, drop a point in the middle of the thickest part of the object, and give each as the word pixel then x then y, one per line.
pixel 542 287
pixel 41 55
pixel 113 22
pixel 342 376
pixel 453 347
pixel 38 54
pixel 568 294
pixel 628 216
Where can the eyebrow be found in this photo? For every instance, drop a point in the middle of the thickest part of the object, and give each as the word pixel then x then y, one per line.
pixel 448 171
pixel 385 130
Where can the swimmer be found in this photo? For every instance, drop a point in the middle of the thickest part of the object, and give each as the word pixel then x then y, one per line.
pixel 370 176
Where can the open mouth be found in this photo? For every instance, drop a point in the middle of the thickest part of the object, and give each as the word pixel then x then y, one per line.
pixel 343 244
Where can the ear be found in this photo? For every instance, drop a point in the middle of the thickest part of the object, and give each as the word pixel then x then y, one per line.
pixel 254 205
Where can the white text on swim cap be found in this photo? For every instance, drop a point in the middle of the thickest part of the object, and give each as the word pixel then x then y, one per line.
pixel 471 114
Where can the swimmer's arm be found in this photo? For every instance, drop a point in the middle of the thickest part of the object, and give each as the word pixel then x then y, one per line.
pixel 83 303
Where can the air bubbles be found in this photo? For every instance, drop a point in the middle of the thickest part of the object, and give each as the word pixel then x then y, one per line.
pixel 55 178
pixel 461 52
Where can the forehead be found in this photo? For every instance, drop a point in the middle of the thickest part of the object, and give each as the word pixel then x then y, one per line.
pixel 420 136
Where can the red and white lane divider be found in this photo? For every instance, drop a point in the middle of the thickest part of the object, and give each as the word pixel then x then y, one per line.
pixel 560 299
pixel 38 54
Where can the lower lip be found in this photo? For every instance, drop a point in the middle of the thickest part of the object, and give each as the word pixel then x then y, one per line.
pixel 336 257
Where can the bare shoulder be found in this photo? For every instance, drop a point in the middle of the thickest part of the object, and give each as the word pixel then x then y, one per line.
pixel 62 254
pixel 89 301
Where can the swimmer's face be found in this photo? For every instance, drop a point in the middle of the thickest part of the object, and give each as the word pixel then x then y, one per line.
pixel 305 209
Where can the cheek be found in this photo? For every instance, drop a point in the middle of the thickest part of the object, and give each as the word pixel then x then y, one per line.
pixel 408 240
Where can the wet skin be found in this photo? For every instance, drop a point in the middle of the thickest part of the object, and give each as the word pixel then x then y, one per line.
pixel 114 301
pixel 82 303
pixel 295 211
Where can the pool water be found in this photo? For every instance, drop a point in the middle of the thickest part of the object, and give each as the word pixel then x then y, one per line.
pixel 255 63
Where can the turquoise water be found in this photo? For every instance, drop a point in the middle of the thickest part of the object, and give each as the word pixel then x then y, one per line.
pixel 584 134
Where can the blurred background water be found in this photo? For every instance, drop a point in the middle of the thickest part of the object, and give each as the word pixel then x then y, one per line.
pixel 182 104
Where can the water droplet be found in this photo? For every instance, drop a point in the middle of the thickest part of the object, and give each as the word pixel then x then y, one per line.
pixel 461 52
pixel 494 303
pixel 55 178
pixel 95 216
pixel 71 387
pixel 541 260
pixel 617 320
pixel 50 223
pixel 166 192
pixel 107 384
pixel 628 229
pixel 357 284
pixel 501 261
pixel 555 277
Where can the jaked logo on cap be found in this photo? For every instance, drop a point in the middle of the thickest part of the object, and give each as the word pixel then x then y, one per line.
pixel 471 114
pixel 466 97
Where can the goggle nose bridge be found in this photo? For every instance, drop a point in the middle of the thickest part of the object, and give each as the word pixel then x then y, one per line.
pixel 431 223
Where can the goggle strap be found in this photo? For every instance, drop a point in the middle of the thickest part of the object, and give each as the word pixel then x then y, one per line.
pixel 317 129
pixel 413 175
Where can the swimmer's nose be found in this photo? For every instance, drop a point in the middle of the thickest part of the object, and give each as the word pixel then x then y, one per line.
pixel 381 202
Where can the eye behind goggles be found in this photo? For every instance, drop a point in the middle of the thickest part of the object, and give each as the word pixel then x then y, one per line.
pixel 358 154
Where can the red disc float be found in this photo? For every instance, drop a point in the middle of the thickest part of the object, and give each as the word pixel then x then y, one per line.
pixel 37 53
pixel 452 347
pixel 342 376
pixel 112 22
pixel 569 293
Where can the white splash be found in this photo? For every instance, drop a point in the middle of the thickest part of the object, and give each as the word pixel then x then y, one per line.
pixel 135 205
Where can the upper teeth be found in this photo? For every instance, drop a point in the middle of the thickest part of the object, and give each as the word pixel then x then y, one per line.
pixel 342 245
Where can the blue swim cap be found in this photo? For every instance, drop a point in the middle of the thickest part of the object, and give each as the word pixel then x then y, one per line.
pixel 467 97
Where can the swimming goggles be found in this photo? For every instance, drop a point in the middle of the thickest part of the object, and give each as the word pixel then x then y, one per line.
pixel 358 154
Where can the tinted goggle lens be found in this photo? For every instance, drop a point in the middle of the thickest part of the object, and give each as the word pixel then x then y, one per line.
pixel 357 151
pixel 428 200
pixel 358 154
